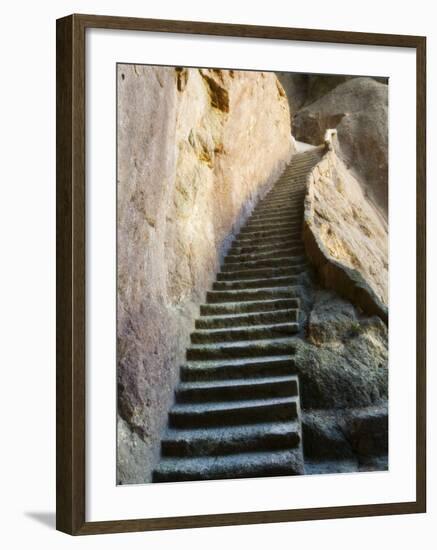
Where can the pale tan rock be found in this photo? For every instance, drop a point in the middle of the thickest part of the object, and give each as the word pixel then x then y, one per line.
pixel 346 237
pixel 196 148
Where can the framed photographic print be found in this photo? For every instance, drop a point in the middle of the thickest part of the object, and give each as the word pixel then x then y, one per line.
pixel 240 274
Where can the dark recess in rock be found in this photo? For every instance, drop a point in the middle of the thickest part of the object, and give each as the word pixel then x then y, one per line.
pixel 219 95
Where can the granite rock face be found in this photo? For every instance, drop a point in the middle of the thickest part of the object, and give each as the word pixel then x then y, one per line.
pixel 343 371
pixel 196 149
pixel 343 360
pixel 345 236
pixel 304 89
pixel 354 437
pixel 358 109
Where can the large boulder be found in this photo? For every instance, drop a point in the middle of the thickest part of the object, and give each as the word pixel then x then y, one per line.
pixel 342 365
pixel 356 438
pixel 323 438
pixel 367 430
pixel 345 235
pixel 303 89
pixel 196 149
pixel 319 85
pixel 343 361
pixel 358 109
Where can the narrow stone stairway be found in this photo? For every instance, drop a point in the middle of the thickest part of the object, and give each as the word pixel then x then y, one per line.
pixel 237 411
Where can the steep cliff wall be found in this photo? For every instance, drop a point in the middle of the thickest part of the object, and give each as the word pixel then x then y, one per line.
pixel 196 148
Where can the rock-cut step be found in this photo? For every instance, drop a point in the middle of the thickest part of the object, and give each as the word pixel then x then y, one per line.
pixel 230 390
pixel 282 202
pixel 286 188
pixel 231 413
pixel 252 464
pixel 234 369
pixel 231 439
pixel 274 214
pixel 272 253
pixel 278 261
pixel 255 306
pixel 296 248
pixel 252 294
pixel 287 202
pixel 235 334
pixel 292 238
pixel 284 196
pixel 248 319
pixel 249 348
pixel 264 254
pixel 257 228
pixel 270 233
pixel 278 213
pixel 285 223
pixel 287 280
pixel 245 272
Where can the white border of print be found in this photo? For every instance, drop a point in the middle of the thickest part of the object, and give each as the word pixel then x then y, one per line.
pixel 105 500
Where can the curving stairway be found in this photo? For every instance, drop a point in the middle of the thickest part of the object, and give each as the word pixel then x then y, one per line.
pixel 237 412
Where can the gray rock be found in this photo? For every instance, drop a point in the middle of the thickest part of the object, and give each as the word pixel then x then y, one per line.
pixel 367 430
pixel 303 89
pixel 358 108
pixel 341 440
pixel 378 463
pixel 320 85
pixel 343 362
pixel 346 238
pixel 132 454
pixel 323 438
pixel 332 466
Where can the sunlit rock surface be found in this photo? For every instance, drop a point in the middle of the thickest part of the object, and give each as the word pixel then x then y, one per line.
pixel 345 235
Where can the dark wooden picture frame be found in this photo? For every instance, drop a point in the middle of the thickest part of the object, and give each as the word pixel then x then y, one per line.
pixel 71 283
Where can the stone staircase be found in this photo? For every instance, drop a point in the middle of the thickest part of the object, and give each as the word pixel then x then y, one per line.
pixel 237 411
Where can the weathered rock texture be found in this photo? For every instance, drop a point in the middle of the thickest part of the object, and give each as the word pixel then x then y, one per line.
pixel 342 362
pixel 196 148
pixel 358 109
pixel 304 89
pixel 345 236
pixel 341 440
pixel 342 365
